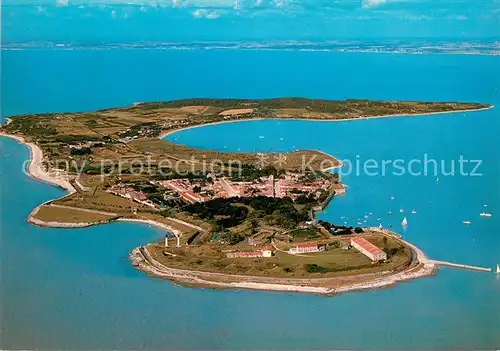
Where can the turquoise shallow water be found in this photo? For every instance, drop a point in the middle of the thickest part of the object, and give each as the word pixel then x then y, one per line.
pixel 74 289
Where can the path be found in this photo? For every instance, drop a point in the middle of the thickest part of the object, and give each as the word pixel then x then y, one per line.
pixel 85 210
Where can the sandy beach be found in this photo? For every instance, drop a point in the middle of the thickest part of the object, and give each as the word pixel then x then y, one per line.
pixel 36 170
pixel 153 223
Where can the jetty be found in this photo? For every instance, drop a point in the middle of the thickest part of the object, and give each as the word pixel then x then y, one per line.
pixel 458 265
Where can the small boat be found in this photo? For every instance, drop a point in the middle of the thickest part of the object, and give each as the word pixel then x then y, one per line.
pixel 466 222
pixel 484 214
pixel 379 219
pixel 281 139
pixel 392 197
pixel 389 213
pixel 437 179
pixel 413 212
pixel 485 205
pixel 404 222
pixel 261 137
pixel 498 269
pixel 401 210
pixel 380 226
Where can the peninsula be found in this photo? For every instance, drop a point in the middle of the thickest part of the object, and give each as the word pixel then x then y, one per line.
pixel 235 220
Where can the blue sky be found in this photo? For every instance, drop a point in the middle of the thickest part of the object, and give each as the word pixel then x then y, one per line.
pixel 232 20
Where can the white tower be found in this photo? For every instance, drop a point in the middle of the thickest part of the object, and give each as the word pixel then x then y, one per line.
pixel 178 241
pixel 166 241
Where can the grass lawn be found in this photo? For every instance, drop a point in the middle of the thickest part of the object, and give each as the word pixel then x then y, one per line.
pixel 65 215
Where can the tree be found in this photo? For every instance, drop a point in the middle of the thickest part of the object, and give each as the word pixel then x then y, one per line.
pixel 335 244
pixel 358 230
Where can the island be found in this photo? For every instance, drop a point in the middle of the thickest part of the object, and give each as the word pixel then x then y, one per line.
pixel 233 220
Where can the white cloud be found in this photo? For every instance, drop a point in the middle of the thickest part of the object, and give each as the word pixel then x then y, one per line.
pixel 208 3
pixel 61 3
pixel 280 3
pixel 372 3
pixel 203 13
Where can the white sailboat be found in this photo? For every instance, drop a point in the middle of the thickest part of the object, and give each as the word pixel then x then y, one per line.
pixel 484 214
pixel 404 222
pixel 380 226
pixel 414 211
pixel 466 222
pixel 401 209
pixel 498 269
pixel 437 179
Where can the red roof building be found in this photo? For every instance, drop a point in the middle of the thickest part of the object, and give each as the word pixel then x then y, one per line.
pixel 368 249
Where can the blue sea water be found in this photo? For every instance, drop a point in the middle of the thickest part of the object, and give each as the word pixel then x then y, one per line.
pixel 75 289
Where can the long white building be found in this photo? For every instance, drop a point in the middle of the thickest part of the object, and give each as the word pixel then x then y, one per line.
pixel 368 249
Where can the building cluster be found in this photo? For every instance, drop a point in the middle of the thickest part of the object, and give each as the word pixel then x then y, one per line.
pixel 368 249
pixel 262 252
pixel 132 194
pixel 290 185
pixel 84 144
pixel 306 248
pixel 184 188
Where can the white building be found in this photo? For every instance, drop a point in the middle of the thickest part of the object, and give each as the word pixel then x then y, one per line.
pixel 306 247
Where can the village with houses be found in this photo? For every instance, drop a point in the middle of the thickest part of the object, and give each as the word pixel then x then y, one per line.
pixel 252 220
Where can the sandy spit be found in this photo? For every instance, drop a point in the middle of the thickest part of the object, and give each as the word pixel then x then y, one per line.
pixel 36 170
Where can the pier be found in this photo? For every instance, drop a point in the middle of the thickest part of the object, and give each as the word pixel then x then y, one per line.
pixel 457 265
